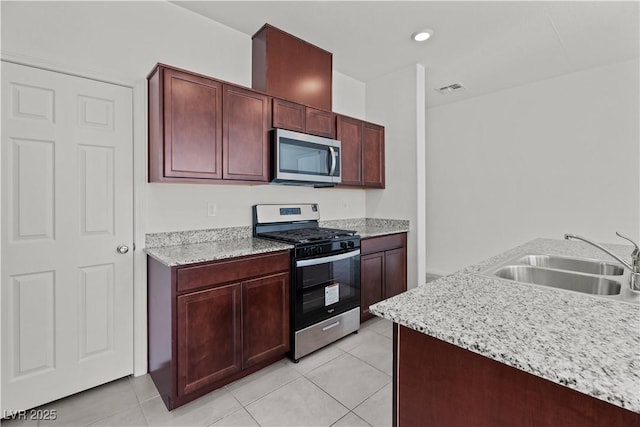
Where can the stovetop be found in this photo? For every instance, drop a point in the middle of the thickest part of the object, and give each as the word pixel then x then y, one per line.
pixel 307 235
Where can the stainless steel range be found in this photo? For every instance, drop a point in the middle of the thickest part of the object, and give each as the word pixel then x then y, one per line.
pixel 325 270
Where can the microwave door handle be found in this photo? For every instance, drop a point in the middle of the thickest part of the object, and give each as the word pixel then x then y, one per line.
pixel 333 161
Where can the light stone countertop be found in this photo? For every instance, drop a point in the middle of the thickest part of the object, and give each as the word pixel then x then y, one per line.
pixel 172 256
pixel 583 342
pixel 192 246
pixel 370 227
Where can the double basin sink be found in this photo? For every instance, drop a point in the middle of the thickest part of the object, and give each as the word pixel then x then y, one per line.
pixel 593 277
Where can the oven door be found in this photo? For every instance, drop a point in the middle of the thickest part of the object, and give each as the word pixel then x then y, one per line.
pixel 325 286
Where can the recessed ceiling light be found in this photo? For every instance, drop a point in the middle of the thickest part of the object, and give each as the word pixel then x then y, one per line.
pixel 422 35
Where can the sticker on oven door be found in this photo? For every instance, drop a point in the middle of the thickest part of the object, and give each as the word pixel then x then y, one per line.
pixel 332 294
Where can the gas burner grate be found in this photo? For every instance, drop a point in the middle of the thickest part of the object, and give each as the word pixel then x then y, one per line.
pixel 304 235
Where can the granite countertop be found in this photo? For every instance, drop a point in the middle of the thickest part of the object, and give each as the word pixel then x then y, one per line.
pixel 370 227
pixel 586 343
pixel 191 253
pixel 187 247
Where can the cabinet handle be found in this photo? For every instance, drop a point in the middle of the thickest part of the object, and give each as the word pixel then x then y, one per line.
pixel 333 325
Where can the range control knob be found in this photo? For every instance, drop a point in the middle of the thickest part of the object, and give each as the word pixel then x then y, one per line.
pixel 343 245
pixel 351 244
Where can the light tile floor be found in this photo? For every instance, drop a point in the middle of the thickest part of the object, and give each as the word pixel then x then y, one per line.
pixel 348 383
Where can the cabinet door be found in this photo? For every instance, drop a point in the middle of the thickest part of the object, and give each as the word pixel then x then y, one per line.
pixel 371 282
pixel 372 155
pixel 395 272
pixel 265 318
pixel 288 115
pixel 321 123
pixel 245 134
pixel 349 131
pixel 208 334
pixel 192 126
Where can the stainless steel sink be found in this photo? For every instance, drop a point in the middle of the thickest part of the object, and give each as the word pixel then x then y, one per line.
pixel 573 264
pixel 560 279
pixel 593 277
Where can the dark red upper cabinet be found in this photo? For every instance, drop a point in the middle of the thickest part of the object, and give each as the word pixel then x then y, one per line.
pixel 321 123
pixel 288 67
pixel 288 115
pixel 372 155
pixel 300 118
pixel 350 134
pixel 245 134
pixel 362 152
pixel 185 126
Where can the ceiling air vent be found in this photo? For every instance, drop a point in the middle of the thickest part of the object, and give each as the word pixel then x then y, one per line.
pixel 456 87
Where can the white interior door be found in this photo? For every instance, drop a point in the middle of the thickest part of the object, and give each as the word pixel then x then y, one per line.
pixel 67 204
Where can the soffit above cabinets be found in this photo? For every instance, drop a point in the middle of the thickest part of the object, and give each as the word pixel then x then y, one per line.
pixel 487 45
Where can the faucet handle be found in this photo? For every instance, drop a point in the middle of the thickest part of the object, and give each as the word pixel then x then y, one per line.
pixel 636 250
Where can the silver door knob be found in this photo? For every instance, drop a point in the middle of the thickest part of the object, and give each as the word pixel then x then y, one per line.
pixel 122 249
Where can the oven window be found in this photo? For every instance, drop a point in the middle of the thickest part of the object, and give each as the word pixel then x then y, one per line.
pixel 319 297
pixel 337 271
pixel 323 286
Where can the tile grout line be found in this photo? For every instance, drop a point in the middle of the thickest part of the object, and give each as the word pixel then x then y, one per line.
pixel 350 410
pixel 378 369
pixel 364 400
pixel 266 394
pixel 329 394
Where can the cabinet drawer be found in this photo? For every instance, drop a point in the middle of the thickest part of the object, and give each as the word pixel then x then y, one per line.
pixel 233 270
pixel 383 243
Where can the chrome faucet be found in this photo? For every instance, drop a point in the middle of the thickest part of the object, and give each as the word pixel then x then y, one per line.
pixel 634 267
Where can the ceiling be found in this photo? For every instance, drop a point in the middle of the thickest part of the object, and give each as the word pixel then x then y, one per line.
pixel 485 46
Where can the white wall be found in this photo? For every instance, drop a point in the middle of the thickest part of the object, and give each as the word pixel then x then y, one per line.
pixel 348 95
pixel 121 42
pixel 392 101
pixel 554 156
pixel 178 207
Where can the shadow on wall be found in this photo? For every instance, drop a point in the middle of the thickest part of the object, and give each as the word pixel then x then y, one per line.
pixel 432 277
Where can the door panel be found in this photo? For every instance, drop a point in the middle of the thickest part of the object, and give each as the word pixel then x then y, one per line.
pixel 208 337
pixel 96 177
pixel 321 123
pixel 288 115
pixel 192 126
pixel 373 155
pixel 67 203
pixel 245 134
pixel 395 272
pixel 32 189
pixel 96 310
pixel 372 280
pixel 265 314
pixel 349 132
pixel 31 317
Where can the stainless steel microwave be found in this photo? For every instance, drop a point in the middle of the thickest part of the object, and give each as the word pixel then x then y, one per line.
pixel 300 158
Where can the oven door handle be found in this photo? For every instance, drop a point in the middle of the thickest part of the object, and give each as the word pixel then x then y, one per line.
pixel 327 259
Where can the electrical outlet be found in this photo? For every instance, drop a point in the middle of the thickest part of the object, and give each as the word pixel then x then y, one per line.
pixel 212 209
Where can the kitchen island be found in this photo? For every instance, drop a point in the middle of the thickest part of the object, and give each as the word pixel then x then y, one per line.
pixel 476 350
